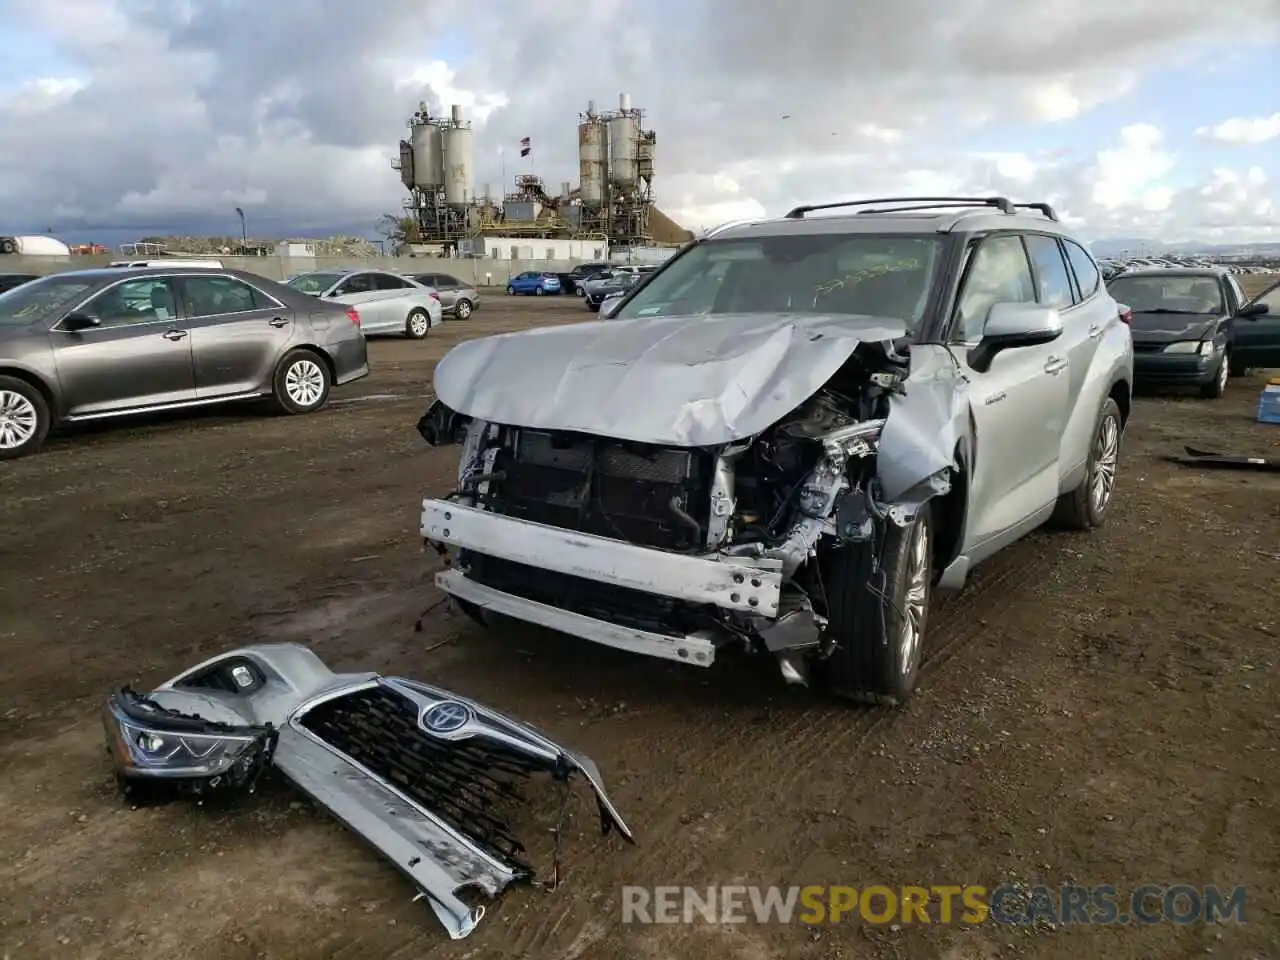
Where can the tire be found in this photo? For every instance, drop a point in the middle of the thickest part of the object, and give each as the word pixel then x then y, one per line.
pixel 1081 509
pixel 539 292
pixel 511 291
pixel 878 612
pixel 462 309
pixel 24 419
pixel 8 246
pixel 301 383
pixel 417 325
pixel 1216 388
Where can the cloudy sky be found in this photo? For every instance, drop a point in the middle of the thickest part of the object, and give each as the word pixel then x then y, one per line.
pixel 1137 118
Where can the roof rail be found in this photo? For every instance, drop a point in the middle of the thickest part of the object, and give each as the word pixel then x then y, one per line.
pixel 916 203
pixel 1044 208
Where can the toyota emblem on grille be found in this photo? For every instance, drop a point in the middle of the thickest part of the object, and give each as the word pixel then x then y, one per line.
pixel 447 716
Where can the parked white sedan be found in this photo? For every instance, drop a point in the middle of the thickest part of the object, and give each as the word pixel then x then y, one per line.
pixel 386 302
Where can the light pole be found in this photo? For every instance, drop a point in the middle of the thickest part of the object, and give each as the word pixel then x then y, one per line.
pixel 244 235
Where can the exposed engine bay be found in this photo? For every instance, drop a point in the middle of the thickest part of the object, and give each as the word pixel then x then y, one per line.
pixel 771 502
pixel 435 782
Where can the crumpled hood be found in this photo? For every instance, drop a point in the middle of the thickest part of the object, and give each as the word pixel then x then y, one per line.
pixel 1171 327
pixel 679 381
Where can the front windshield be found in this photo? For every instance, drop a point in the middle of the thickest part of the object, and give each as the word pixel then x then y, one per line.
pixel 314 283
pixel 42 299
pixel 1155 294
pixel 824 273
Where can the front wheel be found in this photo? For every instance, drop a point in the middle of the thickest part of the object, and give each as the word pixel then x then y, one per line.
pixel 24 418
pixel 301 383
pixel 1216 388
pixel 417 325
pixel 539 292
pixel 1085 507
pixel 463 309
pixel 511 291
pixel 878 612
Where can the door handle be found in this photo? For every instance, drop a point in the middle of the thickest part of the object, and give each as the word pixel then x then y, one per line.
pixel 278 322
pixel 1055 365
pixel 175 334
pixel 1095 332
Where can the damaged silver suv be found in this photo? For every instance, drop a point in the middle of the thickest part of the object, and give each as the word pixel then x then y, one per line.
pixel 787 437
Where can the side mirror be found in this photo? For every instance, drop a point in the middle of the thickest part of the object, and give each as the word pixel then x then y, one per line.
pixel 1012 325
pixel 609 306
pixel 80 320
pixel 1251 311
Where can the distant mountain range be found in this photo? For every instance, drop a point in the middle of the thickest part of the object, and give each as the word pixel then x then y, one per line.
pixel 1138 246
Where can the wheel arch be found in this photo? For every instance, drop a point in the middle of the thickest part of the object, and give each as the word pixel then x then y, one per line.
pixel 38 383
pixel 319 351
pixel 1122 393
pixel 951 510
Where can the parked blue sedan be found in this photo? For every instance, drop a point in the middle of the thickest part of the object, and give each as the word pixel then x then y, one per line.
pixel 532 281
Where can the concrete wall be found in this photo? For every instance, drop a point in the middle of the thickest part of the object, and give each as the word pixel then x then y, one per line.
pixel 480 272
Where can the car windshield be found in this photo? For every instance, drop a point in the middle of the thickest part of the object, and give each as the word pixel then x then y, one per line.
pixel 1156 294
pixel 42 299
pixel 314 283
pixel 886 276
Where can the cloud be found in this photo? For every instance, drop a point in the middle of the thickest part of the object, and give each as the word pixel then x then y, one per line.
pixel 1240 131
pixel 165 115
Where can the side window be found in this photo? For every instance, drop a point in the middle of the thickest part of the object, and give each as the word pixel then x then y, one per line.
pixel 1085 269
pixel 356 283
pixel 145 300
pixel 211 296
pixel 385 281
pixel 1052 279
pixel 998 272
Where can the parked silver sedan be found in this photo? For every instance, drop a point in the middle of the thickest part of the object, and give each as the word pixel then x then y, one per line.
pixel 458 298
pixel 388 302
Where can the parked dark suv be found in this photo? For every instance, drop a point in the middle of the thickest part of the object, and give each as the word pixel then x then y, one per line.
pixel 90 344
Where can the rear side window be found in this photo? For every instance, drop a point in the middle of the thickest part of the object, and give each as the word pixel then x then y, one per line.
pixel 384 281
pixel 447 282
pixel 1086 271
pixel 1053 282
pixel 211 296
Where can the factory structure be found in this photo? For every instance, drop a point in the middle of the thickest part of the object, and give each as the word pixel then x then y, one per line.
pixel 611 207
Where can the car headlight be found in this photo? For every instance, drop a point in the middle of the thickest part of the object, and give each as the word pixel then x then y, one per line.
pixel 1183 346
pixel 1207 348
pixel 148 741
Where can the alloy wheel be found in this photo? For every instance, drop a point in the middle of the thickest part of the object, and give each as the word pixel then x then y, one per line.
pixel 1106 456
pixel 18 420
pixel 304 383
pixel 916 602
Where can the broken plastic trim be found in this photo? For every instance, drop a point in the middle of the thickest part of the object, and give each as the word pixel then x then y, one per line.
pixel 450 738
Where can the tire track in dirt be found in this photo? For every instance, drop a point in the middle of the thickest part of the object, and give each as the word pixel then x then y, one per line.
pixel 783 755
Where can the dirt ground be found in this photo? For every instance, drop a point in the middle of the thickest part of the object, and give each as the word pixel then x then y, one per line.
pixel 1095 708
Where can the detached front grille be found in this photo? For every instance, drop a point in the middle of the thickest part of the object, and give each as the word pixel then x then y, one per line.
pixel 643 494
pixel 473 785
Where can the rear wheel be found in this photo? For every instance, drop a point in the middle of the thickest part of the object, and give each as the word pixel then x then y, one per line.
pixel 1085 507
pixel 878 612
pixel 301 383
pixel 24 418
pixel 462 310
pixel 417 325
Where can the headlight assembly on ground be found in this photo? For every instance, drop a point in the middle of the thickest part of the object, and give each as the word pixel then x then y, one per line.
pixel 149 742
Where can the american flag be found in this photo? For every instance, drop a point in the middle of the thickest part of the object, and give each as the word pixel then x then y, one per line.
pixel 525 148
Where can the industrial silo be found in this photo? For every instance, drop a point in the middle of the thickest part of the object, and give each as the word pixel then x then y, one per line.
pixel 592 155
pixel 428 167
pixel 459 166
pixel 624 142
